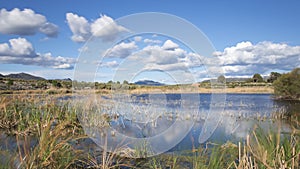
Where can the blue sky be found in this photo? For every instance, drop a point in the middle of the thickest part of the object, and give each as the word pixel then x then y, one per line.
pixel 249 36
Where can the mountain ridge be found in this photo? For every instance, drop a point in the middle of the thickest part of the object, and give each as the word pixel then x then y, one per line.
pixel 148 83
pixel 22 76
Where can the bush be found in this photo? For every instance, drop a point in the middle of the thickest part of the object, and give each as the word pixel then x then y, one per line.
pixel 287 86
pixel 52 92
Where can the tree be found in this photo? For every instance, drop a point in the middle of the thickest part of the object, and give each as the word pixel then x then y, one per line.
pixel 273 76
pixel 125 82
pixel 221 79
pixel 56 84
pixel 257 78
pixel 10 83
pixel 287 86
pixel 42 84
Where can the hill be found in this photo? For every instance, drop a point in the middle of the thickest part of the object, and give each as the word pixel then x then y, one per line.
pixel 23 76
pixel 148 83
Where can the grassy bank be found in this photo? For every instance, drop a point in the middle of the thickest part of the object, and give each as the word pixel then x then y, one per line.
pixel 240 90
pixel 40 132
pixel 103 88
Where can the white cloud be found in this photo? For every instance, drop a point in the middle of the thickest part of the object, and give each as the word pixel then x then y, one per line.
pixel 166 67
pixel 79 26
pixel 59 62
pixel 169 45
pixel 246 58
pixel 49 29
pixel 166 57
pixel 121 50
pixel 161 56
pixel 20 51
pixel 110 64
pixel 104 27
pixel 18 48
pixel 243 59
pixel 26 22
pixel 62 66
pixel 152 41
pixel 167 54
pixel 169 57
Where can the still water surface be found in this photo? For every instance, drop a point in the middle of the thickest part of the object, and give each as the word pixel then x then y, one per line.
pixel 236 118
pixel 240 114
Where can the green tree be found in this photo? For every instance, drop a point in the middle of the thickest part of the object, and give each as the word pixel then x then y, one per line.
pixel 42 84
pixel 56 84
pixel 257 78
pixel 101 86
pixel 273 76
pixel 221 79
pixel 287 86
pixel 10 83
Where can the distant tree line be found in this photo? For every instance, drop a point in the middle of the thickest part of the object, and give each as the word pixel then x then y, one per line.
pixel 256 78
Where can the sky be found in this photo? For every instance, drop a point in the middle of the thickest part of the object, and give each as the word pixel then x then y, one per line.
pixel 53 39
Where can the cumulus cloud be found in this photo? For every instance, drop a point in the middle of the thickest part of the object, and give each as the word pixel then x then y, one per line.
pixel 59 62
pixel 161 56
pixel 168 57
pixel 104 27
pixel 243 59
pixel 152 41
pixel 246 58
pixel 79 26
pixel 25 22
pixel 121 50
pixel 110 64
pixel 17 48
pixel 49 29
pixel 20 51
pixel 176 60
pixel 169 45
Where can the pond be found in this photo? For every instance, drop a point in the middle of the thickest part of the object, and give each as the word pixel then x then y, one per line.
pixel 159 118
pixel 174 122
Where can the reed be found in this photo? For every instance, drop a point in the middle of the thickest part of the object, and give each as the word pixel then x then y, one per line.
pixel 48 133
pixel 271 150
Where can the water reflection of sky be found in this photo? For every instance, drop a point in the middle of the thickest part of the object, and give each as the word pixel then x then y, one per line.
pixel 242 112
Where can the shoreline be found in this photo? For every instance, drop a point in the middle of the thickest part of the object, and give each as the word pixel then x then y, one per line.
pixel 236 90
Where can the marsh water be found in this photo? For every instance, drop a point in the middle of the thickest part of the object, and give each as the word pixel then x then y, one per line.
pixel 227 117
pixel 236 119
pixel 242 113
pixel 238 116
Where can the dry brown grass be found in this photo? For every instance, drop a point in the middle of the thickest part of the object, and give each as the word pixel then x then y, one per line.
pixel 245 90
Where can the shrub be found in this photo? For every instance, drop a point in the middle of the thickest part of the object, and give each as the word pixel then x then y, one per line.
pixel 287 86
